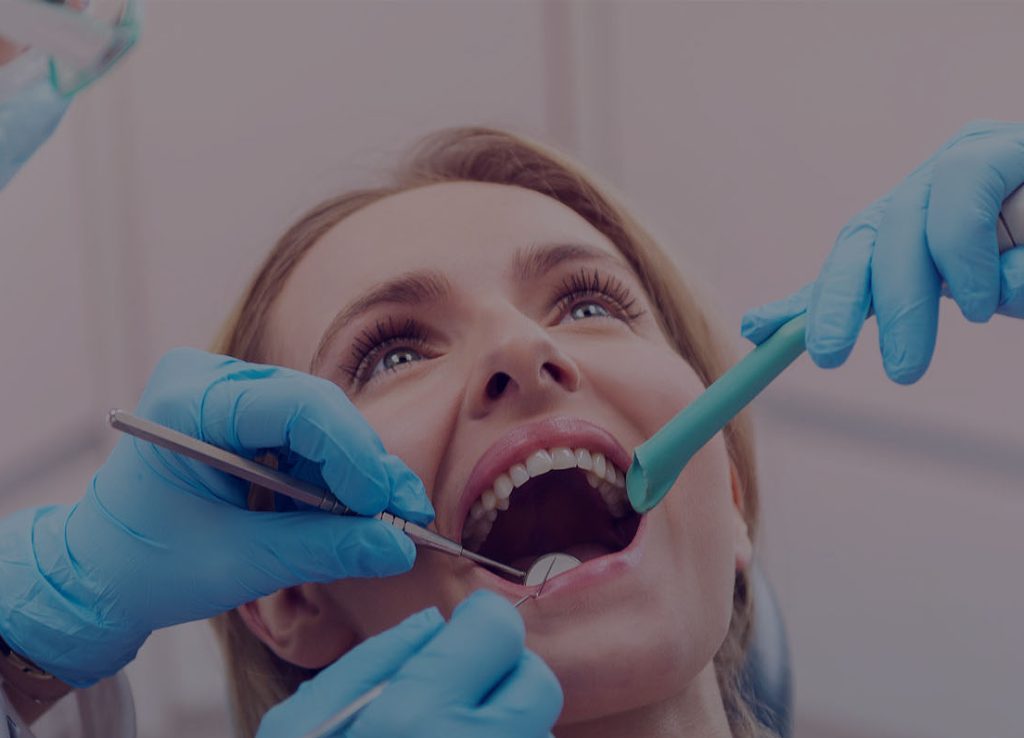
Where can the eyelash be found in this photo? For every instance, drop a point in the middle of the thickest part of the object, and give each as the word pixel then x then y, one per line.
pixel 372 342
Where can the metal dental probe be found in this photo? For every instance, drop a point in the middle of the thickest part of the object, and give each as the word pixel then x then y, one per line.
pixel 547 574
pixel 272 479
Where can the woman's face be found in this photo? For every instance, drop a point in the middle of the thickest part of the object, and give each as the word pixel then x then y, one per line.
pixel 485 375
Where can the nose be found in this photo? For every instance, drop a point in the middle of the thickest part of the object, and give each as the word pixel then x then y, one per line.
pixel 522 367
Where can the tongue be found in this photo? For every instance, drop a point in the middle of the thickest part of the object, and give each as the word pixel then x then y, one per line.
pixel 582 551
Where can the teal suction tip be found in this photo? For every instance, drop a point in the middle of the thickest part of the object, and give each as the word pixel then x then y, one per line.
pixel 658 461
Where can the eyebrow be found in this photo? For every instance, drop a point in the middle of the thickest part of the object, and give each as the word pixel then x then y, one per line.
pixel 428 286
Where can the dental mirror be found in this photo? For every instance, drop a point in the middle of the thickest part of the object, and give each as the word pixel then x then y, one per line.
pixel 543 569
pixel 549 565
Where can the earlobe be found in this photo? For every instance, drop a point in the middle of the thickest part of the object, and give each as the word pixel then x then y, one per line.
pixel 744 548
pixel 741 533
pixel 300 625
pixel 250 614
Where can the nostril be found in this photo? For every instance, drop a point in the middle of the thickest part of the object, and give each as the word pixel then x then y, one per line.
pixel 556 373
pixel 497 385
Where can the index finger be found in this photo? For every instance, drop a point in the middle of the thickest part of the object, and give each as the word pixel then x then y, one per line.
pixel 315 420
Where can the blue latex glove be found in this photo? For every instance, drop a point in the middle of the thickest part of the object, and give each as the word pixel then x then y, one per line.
pixel 938 224
pixel 470 678
pixel 160 539
pixel 30 110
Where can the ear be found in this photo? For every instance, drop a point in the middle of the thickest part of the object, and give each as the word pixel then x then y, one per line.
pixel 741 535
pixel 302 625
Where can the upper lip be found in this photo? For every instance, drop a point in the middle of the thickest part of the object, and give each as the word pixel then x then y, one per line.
pixel 516 445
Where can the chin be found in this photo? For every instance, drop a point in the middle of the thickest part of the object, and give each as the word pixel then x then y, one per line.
pixel 616 669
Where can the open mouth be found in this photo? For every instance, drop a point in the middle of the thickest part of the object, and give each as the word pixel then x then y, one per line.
pixel 559 500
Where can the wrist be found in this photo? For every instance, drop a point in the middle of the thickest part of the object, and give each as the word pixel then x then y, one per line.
pixel 16 663
pixel 29 690
pixel 48 613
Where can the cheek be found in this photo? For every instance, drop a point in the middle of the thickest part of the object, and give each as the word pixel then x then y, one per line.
pixel 700 511
pixel 371 606
pixel 415 429
pixel 699 517
pixel 644 380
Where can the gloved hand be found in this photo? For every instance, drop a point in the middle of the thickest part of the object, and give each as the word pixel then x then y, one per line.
pixel 472 677
pixel 938 224
pixel 160 539
pixel 30 110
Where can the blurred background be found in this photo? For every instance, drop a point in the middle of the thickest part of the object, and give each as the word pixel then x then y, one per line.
pixel 744 134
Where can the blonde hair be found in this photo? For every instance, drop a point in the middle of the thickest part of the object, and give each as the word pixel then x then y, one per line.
pixel 258 678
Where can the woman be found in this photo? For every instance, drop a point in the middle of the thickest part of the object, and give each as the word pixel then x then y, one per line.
pixel 647 640
pixel 557 305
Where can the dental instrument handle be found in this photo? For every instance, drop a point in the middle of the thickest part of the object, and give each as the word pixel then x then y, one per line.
pixel 284 484
pixel 226 461
pixel 342 719
pixel 658 461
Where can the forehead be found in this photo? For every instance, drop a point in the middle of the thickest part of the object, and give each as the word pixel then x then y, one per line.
pixel 468 230
pixel 452 222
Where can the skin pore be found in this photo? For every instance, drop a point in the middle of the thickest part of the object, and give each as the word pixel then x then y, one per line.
pixel 634 655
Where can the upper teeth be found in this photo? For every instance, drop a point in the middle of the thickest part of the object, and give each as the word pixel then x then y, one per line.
pixel 601 474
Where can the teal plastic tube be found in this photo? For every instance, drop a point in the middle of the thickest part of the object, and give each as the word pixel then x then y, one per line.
pixel 658 461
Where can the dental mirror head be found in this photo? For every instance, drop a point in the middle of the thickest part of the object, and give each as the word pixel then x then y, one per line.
pixel 549 565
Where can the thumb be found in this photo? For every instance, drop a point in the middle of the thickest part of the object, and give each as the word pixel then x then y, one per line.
pixel 760 323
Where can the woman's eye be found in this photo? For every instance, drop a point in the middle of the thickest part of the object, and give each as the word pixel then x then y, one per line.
pixel 382 360
pixel 589 294
pixel 385 348
pixel 393 359
pixel 589 309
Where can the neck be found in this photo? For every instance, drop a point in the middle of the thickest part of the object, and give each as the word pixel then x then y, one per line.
pixel 695 712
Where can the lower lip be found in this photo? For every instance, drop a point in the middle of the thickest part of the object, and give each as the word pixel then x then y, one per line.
pixel 598 571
